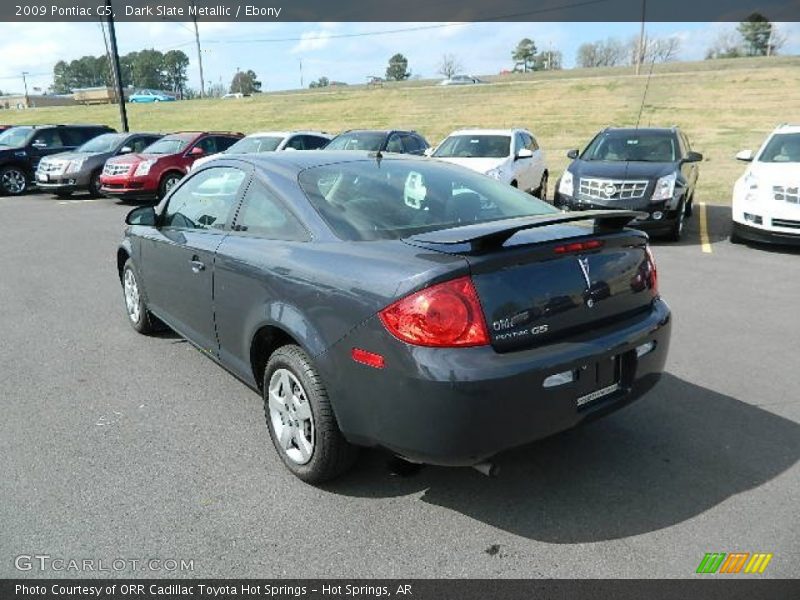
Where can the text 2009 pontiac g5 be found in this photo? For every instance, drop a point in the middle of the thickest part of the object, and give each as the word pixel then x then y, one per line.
pixel 398 302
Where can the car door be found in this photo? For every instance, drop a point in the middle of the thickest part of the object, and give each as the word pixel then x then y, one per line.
pixel 253 273
pixel 177 257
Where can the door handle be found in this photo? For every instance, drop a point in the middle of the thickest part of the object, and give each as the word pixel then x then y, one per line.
pixel 197 265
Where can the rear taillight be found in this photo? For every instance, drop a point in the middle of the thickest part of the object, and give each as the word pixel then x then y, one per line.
pixel 651 270
pixel 444 315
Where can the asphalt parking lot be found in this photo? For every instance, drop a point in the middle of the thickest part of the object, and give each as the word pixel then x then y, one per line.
pixel 118 445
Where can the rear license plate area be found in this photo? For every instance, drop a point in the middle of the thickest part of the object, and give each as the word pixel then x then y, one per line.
pixel 598 380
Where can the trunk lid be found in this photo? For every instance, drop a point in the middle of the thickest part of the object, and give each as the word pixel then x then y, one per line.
pixel 534 289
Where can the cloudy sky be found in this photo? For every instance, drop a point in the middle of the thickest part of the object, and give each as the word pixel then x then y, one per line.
pixel 342 51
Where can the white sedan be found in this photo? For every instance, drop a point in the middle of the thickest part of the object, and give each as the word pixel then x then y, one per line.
pixel 766 199
pixel 509 155
pixel 272 141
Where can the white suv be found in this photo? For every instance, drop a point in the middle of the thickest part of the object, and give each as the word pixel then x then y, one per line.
pixel 509 155
pixel 272 141
pixel 766 199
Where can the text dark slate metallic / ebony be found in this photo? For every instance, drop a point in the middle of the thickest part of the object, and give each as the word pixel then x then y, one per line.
pixel 398 302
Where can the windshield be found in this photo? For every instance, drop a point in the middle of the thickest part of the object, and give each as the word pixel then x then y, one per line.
pixel 102 143
pixel 473 146
pixel 251 145
pixel 782 148
pixel 16 136
pixel 634 146
pixel 370 141
pixel 166 146
pixel 391 199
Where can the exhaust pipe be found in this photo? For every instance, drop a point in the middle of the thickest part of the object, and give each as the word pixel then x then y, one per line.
pixel 487 468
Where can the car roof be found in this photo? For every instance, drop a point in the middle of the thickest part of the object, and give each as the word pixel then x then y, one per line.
pixel 384 131
pixel 194 134
pixel 299 161
pixel 479 131
pixel 287 133
pixel 644 129
pixel 787 128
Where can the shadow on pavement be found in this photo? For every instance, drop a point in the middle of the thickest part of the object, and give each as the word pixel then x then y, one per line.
pixel 676 453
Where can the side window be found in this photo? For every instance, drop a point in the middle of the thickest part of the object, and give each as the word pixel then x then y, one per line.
pixel 423 145
pixel 533 145
pixel 224 142
pixel 263 215
pixel 206 200
pixel 208 144
pixel 394 144
pixel 140 143
pixel 48 138
pixel 519 142
pixel 313 142
pixel 411 144
pixel 295 143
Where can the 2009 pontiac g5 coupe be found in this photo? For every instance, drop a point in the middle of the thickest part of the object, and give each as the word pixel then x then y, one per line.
pixel 398 302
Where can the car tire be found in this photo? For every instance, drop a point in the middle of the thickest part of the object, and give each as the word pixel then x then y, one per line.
pixel 94 184
pixel 13 181
pixel 689 210
pixel 135 304
pixel 676 232
pixel 300 418
pixel 735 237
pixel 514 183
pixel 541 191
pixel 168 181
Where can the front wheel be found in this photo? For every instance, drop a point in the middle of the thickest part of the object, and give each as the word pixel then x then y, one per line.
pixel 138 316
pixel 94 185
pixel 300 418
pixel 169 181
pixel 677 227
pixel 541 191
pixel 13 181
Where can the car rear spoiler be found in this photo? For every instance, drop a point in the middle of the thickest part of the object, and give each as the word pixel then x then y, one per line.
pixel 493 234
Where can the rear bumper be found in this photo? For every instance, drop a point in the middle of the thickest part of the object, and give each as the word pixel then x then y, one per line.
pixel 668 213
pixel 462 406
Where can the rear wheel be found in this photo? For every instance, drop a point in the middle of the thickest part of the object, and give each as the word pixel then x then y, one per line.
pixel 13 181
pixel 300 418
pixel 169 181
pixel 541 191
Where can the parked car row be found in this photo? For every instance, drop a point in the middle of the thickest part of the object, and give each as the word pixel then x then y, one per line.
pixel 651 170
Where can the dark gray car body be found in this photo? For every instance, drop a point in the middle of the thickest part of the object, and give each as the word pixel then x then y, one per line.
pixel 52 178
pixel 237 297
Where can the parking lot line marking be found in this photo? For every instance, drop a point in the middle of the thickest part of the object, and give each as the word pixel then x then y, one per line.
pixel 704 243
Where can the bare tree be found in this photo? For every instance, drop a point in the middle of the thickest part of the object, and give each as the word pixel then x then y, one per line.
pixel 727 44
pixel 449 66
pixel 658 50
pixel 608 53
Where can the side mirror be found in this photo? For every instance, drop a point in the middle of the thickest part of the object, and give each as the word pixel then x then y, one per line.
pixel 143 215
pixel 429 151
pixel 745 155
pixel 196 151
pixel 524 153
pixel 694 157
pixel 125 150
pixel 573 154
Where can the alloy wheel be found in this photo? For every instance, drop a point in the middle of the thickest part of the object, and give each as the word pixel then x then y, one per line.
pixel 131 289
pixel 290 416
pixel 13 181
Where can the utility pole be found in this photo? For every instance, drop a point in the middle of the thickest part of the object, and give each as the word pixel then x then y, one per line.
pixel 640 47
pixel 301 73
pixel 112 34
pixel 199 52
pixel 25 83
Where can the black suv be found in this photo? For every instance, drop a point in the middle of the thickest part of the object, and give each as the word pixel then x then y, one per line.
pixel 380 140
pixel 651 170
pixel 21 149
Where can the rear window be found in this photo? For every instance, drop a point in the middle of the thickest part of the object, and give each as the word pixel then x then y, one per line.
pixel 167 146
pixel 370 141
pixel 783 147
pixel 636 146
pixel 391 199
pixel 255 144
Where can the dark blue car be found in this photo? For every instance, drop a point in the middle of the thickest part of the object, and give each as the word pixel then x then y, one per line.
pixel 397 302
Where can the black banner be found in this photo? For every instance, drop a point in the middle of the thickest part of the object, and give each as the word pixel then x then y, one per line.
pixel 409 10
pixel 412 589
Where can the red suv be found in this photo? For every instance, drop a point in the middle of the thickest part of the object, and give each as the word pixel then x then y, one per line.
pixel 153 172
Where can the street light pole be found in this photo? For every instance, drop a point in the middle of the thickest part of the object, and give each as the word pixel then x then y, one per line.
pixel 25 83
pixel 112 35
pixel 199 52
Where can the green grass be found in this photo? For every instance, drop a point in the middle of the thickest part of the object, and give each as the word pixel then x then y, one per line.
pixel 723 106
